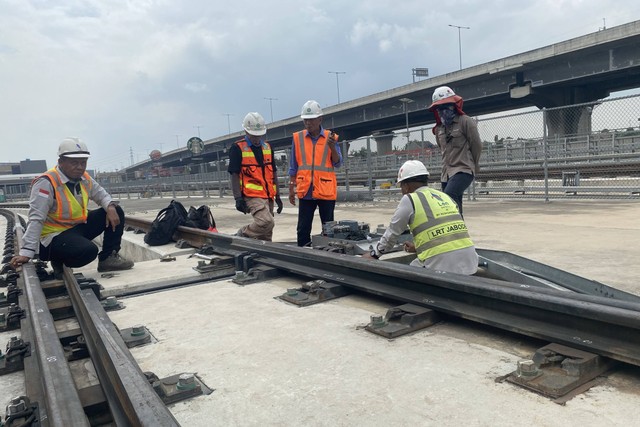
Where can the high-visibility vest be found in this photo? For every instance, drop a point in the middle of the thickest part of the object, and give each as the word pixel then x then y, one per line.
pixel 437 226
pixel 69 212
pixel 314 167
pixel 256 180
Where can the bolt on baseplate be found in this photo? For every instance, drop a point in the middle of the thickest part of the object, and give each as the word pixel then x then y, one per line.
pixel 527 368
pixel 16 406
pixel 186 382
pixel 138 330
pixel 377 321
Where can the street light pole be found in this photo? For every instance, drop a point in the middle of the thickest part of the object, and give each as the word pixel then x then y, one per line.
pixel 459 40
pixel 406 101
pixel 337 73
pixel 198 127
pixel 228 121
pixel 178 141
pixel 271 106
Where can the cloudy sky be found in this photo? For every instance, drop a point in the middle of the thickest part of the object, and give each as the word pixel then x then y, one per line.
pixel 128 76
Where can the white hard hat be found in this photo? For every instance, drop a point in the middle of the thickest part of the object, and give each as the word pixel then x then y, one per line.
pixel 253 124
pixel 412 168
pixel 441 93
pixel 74 148
pixel 311 110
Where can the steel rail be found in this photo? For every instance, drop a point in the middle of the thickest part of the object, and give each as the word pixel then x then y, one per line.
pixel 605 326
pixel 132 400
pixel 47 368
pixel 523 270
pixel 582 321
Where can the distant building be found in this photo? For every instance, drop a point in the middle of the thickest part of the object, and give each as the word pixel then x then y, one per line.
pixel 27 166
pixel 6 168
pixel 33 166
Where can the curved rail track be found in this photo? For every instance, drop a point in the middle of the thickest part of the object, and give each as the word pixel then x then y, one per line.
pixel 585 315
pixel 594 318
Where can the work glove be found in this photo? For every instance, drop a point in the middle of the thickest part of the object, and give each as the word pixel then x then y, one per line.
pixel 241 205
pixel 279 203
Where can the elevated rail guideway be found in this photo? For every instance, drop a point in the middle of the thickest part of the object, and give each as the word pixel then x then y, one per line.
pixel 578 70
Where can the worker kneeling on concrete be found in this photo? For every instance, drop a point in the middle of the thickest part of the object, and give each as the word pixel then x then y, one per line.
pixel 61 227
pixel 440 237
pixel 254 179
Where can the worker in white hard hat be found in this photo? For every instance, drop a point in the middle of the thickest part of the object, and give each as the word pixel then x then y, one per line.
pixel 61 228
pixel 459 141
pixel 314 155
pixel 440 237
pixel 254 178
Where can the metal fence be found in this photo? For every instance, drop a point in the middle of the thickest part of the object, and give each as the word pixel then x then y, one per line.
pixel 589 150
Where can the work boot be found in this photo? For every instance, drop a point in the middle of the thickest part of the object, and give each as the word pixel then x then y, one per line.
pixel 58 270
pixel 114 263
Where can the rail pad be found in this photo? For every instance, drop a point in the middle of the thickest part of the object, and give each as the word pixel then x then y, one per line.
pixel 556 370
pixel 314 292
pixel 402 320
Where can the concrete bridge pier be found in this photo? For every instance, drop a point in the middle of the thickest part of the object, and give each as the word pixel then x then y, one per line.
pixel 568 120
pixel 384 142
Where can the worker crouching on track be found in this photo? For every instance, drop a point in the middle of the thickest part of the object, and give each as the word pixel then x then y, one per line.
pixel 254 179
pixel 440 236
pixel 61 228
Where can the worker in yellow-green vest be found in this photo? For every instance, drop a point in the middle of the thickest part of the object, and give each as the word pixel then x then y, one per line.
pixel 440 237
pixel 254 179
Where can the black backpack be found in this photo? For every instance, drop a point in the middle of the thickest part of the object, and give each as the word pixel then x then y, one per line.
pixel 165 224
pixel 201 218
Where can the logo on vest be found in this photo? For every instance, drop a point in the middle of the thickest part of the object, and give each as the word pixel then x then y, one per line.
pixel 441 202
pixel 437 197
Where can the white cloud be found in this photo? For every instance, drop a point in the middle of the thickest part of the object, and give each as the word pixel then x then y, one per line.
pixel 126 74
pixel 196 87
pixel 388 36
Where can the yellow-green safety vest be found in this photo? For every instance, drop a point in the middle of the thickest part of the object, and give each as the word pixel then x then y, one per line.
pixel 437 226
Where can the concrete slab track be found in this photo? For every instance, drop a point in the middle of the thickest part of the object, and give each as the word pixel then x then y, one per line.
pixel 274 364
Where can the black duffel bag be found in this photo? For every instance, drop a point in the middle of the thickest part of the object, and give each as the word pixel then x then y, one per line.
pixel 201 218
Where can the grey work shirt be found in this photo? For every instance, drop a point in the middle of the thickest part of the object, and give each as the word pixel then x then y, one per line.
pixel 461 147
pixel 43 202
pixel 461 261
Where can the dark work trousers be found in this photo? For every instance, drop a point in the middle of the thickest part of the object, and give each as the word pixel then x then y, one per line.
pixel 455 187
pixel 74 247
pixel 306 210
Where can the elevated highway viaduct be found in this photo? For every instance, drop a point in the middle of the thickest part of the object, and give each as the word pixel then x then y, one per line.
pixel 576 71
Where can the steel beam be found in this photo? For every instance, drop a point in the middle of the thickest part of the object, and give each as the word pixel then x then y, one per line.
pixel 51 372
pixel 600 325
pixel 518 269
pixel 132 400
pixel 605 326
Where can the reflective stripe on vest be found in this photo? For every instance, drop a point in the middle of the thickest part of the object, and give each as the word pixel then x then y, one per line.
pixel 256 180
pixel 315 167
pixel 69 212
pixel 437 226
